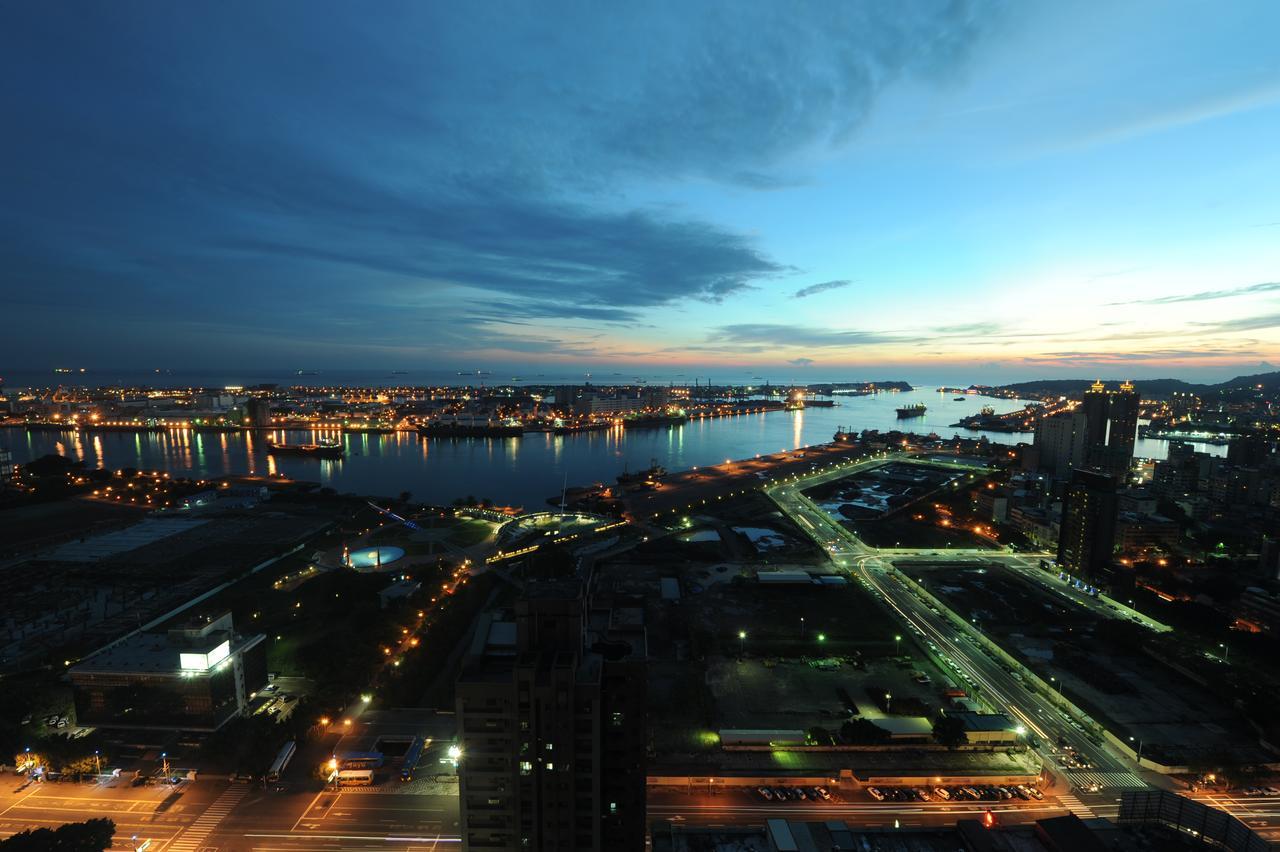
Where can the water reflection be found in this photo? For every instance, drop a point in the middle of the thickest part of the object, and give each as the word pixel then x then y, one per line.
pixel 520 471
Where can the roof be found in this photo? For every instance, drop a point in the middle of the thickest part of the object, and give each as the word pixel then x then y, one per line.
pixel 153 653
pixel 1068 834
pixel 983 721
pixel 905 726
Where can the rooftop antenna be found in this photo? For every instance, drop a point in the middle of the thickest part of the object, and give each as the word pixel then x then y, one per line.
pixel 563 489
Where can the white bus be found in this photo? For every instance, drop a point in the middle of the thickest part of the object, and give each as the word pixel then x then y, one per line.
pixel 282 760
pixel 354 777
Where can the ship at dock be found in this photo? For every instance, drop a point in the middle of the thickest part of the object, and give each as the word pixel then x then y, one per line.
pixel 321 449
pixel 909 411
pixel 574 427
pixel 646 478
pixel 654 419
pixel 464 426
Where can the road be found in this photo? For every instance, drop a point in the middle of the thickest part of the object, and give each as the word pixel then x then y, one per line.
pixel 736 808
pixel 959 647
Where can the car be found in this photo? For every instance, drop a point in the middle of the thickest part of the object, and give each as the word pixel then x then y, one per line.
pixel 780 793
pixel 1036 794
pixel 764 793
pixel 823 793
pixel 922 794
pixel 941 793
pixel 1271 791
pixel 800 794
pixel 1021 793
pixel 875 793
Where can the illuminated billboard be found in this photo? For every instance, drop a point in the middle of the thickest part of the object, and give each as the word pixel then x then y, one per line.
pixel 204 662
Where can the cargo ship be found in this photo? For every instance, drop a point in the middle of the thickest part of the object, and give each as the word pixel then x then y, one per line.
pixel 673 418
pixel 909 411
pixel 472 427
pixel 648 476
pixel 322 450
pixel 586 426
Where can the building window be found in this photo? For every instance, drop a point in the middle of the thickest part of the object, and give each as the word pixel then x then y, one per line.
pixel 613 807
pixel 525 767
pixel 550 766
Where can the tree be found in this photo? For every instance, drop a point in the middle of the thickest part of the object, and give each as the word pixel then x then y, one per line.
pixel 863 732
pixel 949 731
pixel 91 836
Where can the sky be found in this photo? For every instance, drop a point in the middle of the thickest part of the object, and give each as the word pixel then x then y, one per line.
pixel 950 190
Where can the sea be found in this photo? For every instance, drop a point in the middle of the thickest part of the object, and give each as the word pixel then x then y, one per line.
pixel 526 471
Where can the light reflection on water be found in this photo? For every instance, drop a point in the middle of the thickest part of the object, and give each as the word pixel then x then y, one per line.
pixel 519 471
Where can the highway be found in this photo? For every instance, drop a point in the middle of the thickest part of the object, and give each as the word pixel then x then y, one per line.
pixel 957 646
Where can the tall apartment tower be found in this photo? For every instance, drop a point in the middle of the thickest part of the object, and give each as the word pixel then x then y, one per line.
pixel 1111 428
pixel 1088 534
pixel 550 713
pixel 1060 443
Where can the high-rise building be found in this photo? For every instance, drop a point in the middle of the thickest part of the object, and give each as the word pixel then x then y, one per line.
pixel 6 465
pixel 1088 531
pixel 1249 449
pixel 1060 443
pixel 1111 428
pixel 550 715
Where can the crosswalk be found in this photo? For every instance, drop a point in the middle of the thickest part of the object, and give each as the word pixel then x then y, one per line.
pixel 1075 806
pixel 1082 779
pixel 192 839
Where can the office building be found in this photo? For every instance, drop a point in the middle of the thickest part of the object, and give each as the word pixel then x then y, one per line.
pixel 1111 428
pixel 1087 538
pixel 550 713
pixel 194 678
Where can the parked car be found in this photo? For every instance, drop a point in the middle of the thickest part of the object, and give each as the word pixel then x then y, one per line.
pixel 764 793
pixel 875 793
pixel 941 793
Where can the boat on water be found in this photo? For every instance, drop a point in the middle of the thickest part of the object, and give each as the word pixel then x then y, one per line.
pixel 664 418
pixel 648 476
pixel 957 399
pixel 322 449
pixel 472 427
pixel 585 426
pixel 909 411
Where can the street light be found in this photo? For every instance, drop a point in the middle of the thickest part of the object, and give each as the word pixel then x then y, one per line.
pixel 897 647
pixel 742 642
pixel 822 637
pixel 1226 652
pixel 887 699
pixel 802 627
pixel 1139 758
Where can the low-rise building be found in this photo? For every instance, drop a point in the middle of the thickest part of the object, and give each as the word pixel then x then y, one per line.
pixel 986 728
pixel 194 678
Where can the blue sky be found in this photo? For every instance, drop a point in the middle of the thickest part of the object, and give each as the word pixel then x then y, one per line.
pixel 951 190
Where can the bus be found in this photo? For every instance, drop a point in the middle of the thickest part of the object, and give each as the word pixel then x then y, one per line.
pixel 354 778
pixel 359 759
pixel 282 760
pixel 411 758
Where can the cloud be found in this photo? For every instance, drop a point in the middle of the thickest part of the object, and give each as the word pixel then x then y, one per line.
pixel 1207 295
pixel 335 164
pixel 778 335
pixel 1257 323
pixel 814 289
pixel 800 362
